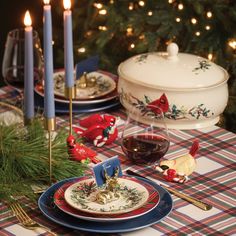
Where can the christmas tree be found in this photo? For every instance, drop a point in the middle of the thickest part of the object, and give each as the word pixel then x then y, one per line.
pixel 118 29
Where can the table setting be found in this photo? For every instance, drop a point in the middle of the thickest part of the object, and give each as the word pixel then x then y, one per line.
pixel 92 99
pixel 88 152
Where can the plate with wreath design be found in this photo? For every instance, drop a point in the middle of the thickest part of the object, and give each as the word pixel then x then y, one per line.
pixel 95 85
pixel 130 194
pixel 150 204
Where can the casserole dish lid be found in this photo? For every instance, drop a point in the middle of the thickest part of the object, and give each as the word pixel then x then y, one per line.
pixel 172 70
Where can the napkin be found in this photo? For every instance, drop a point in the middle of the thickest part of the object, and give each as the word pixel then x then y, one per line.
pixel 88 65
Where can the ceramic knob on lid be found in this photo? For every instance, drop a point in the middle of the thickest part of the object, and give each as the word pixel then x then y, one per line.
pixel 172 50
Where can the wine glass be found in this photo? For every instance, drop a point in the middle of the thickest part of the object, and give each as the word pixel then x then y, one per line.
pixel 13 59
pixel 145 138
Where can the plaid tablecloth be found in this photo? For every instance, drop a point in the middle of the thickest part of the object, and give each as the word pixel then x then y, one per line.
pixel 214 181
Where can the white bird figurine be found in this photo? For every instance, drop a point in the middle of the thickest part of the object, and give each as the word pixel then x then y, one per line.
pixel 178 169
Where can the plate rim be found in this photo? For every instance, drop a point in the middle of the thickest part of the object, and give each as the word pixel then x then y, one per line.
pixel 101 99
pixel 81 110
pixel 76 107
pixel 164 193
pixel 108 217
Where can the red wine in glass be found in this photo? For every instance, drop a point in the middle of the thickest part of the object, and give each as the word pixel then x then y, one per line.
pixel 145 138
pixel 15 77
pixel 145 148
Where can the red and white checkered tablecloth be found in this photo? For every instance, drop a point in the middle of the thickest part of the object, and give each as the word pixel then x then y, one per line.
pixel 214 181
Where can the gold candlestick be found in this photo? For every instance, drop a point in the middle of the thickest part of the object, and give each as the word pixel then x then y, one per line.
pixel 50 125
pixel 70 93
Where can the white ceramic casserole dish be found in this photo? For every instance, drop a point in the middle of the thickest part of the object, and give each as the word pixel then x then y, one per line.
pixel 192 91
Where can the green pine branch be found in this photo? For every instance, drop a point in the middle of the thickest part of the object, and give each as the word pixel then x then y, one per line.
pixel 24 158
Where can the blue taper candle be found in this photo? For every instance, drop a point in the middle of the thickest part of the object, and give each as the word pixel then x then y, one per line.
pixel 28 69
pixel 68 46
pixel 49 103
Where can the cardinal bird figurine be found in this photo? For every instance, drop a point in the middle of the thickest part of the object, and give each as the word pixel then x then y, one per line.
pixel 161 103
pixel 178 169
pixel 79 152
pixel 101 129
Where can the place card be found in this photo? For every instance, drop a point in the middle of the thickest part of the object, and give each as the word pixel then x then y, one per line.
pixel 110 166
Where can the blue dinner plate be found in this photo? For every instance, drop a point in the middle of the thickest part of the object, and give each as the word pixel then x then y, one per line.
pixel 49 209
pixel 62 108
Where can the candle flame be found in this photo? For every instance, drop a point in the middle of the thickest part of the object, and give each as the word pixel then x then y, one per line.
pixel 27 19
pixel 67 4
pixel 46 2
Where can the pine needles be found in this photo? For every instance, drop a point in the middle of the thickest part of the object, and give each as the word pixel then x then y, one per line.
pixel 24 159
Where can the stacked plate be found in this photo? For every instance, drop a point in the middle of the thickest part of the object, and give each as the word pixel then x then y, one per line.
pixel 101 95
pixel 76 203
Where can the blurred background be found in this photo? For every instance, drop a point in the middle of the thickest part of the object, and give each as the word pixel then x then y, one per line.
pixel 118 29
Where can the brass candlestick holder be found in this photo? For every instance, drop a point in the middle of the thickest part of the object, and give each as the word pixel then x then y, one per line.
pixel 50 125
pixel 70 93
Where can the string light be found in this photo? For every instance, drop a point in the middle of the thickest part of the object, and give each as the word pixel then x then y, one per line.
pixel 150 13
pixel 208 27
pixel 194 21
pixel 141 3
pixel 180 6
pixel 98 5
pixel 103 12
pixel 197 33
pixel 210 56
pixel 111 1
pixel 37 45
pixel 177 19
pixel 141 37
pixel 170 1
pixel 131 6
pixel 129 31
pixel 232 43
pixel 82 50
pixel 209 14
pixel 102 28
pixel 132 45
pixel 88 33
